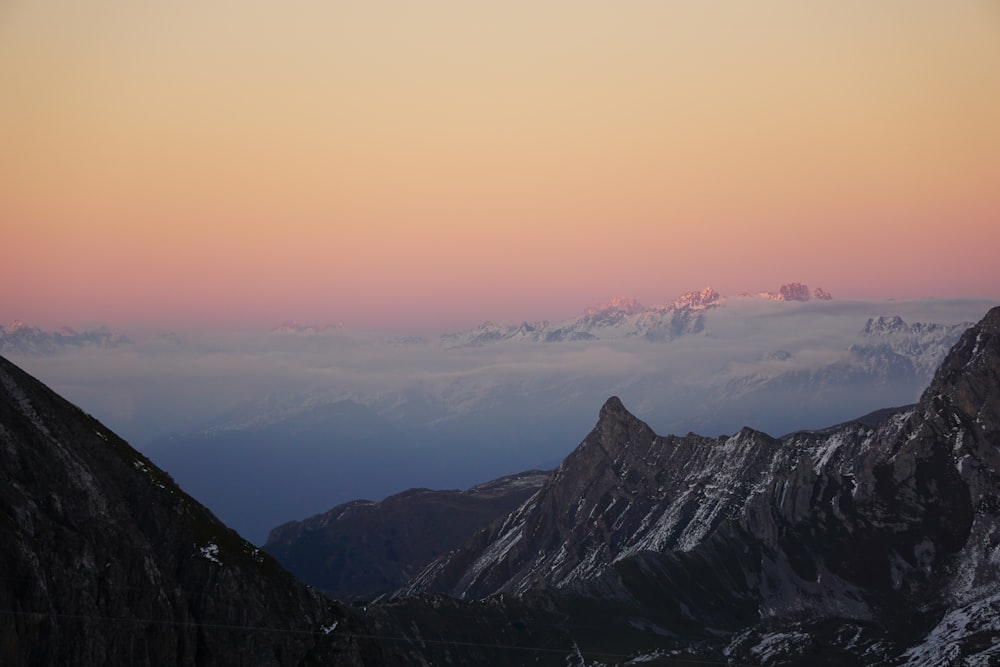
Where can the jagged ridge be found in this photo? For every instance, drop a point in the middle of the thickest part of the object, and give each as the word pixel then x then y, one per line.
pixel 879 531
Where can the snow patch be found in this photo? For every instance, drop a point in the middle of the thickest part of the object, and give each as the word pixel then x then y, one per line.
pixel 211 552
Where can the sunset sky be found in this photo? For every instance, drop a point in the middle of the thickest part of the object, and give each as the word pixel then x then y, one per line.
pixel 401 164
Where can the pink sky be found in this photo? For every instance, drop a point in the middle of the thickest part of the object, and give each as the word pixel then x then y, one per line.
pixel 195 164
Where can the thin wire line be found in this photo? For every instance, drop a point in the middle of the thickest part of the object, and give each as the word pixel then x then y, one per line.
pixel 354 635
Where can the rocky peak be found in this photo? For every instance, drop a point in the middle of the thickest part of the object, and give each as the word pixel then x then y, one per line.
pixel 884 325
pixel 793 292
pixel 970 375
pixel 704 299
pixel 613 409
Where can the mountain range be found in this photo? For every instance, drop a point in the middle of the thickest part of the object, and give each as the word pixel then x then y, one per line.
pixel 21 338
pixel 855 544
pixel 621 316
pixel 304 421
pixel 870 542
pixel 364 548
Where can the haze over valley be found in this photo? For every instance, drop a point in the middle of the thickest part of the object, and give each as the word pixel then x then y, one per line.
pixel 279 425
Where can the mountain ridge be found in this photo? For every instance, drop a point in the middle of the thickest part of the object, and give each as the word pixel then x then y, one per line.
pixel 363 548
pixel 887 534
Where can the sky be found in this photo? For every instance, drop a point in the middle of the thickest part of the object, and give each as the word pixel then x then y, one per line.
pixel 222 164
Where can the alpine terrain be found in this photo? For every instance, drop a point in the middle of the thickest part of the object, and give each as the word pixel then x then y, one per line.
pixel 105 561
pixel 872 542
pixel 362 548
pixel 856 544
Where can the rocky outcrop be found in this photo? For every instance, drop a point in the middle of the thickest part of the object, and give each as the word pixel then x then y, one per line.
pixel 361 548
pixel 106 561
pixel 793 292
pixel 869 543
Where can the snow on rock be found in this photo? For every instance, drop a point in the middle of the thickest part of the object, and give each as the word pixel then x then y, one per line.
pixel 211 552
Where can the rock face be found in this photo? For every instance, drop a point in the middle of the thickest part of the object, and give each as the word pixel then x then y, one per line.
pixel 106 561
pixel 793 292
pixel 361 548
pixel 857 543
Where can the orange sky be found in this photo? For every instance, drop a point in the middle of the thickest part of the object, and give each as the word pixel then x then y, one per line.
pixel 210 163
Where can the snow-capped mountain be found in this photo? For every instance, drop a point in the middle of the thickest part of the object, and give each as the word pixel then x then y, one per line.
pixel 923 343
pixel 620 317
pixel 888 350
pixel 874 542
pixel 793 292
pixel 19 338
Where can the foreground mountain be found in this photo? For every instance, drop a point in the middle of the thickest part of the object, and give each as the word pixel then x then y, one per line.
pixel 105 561
pixel 361 548
pixel 857 544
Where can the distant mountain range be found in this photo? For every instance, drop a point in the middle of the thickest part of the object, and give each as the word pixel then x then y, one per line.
pixel 18 338
pixel 624 317
pixel 888 351
pixel 621 316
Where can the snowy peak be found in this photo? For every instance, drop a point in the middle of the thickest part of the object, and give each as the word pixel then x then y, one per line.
pixel 705 298
pixel 793 292
pixel 884 326
pixel 624 316
pixel 620 317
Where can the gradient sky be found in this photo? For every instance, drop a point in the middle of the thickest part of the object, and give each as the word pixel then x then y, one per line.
pixel 235 164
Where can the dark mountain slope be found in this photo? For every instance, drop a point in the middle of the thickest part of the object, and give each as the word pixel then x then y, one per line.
pixel 105 561
pixel 865 543
pixel 361 548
